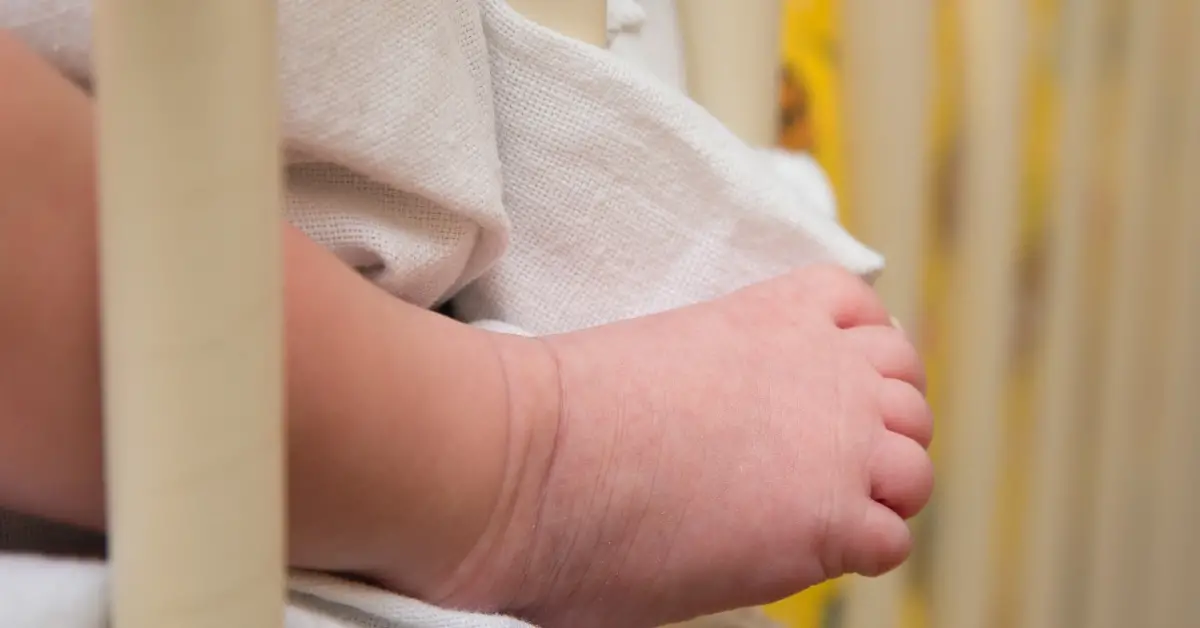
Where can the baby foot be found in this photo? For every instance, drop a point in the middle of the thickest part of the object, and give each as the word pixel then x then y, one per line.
pixel 715 457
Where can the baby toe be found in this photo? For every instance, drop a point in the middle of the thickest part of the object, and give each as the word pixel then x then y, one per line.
pixel 890 352
pixel 905 411
pixel 901 475
pixel 845 297
pixel 881 543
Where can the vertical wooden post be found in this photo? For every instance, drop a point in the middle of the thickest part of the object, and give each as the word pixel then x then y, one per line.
pixel 983 294
pixel 585 20
pixel 1114 578
pixel 190 210
pixel 1174 548
pixel 1049 526
pixel 888 65
pixel 732 52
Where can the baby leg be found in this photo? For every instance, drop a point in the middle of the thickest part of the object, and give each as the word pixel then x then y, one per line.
pixel 398 418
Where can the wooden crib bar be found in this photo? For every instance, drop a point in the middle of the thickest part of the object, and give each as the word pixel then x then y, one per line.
pixel 1050 520
pixel 983 294
pixel 585 20
pixel 732 55
pixel 190 189
pixel 1116 575
pixel 1174 548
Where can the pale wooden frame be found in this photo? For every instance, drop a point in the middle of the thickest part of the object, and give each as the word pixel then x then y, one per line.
pixel 190 204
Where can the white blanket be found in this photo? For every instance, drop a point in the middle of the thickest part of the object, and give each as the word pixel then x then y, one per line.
pixel 451 148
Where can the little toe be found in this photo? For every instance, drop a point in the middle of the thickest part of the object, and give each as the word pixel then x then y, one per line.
pixel 890 352
pixel 901 475
pixel 882 543
pixel 905 411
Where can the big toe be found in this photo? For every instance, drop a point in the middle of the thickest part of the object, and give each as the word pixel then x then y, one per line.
pixel 880 544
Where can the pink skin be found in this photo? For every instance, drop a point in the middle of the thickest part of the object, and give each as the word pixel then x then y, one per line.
pixel 718 456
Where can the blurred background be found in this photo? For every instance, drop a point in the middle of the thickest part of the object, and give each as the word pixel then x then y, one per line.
pixel 1031 169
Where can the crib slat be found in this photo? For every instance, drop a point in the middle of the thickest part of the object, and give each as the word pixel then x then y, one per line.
pixel 585 20
pixel 888 67
pixel 192 311
pixel 983 294
pixel 1115 578
pixel 732 55
pixel 1056 428
pixel 1174 547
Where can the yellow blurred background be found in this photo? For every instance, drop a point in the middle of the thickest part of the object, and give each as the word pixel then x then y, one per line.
pixel 810 97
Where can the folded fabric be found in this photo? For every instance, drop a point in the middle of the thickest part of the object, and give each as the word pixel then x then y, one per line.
pixel 451 149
